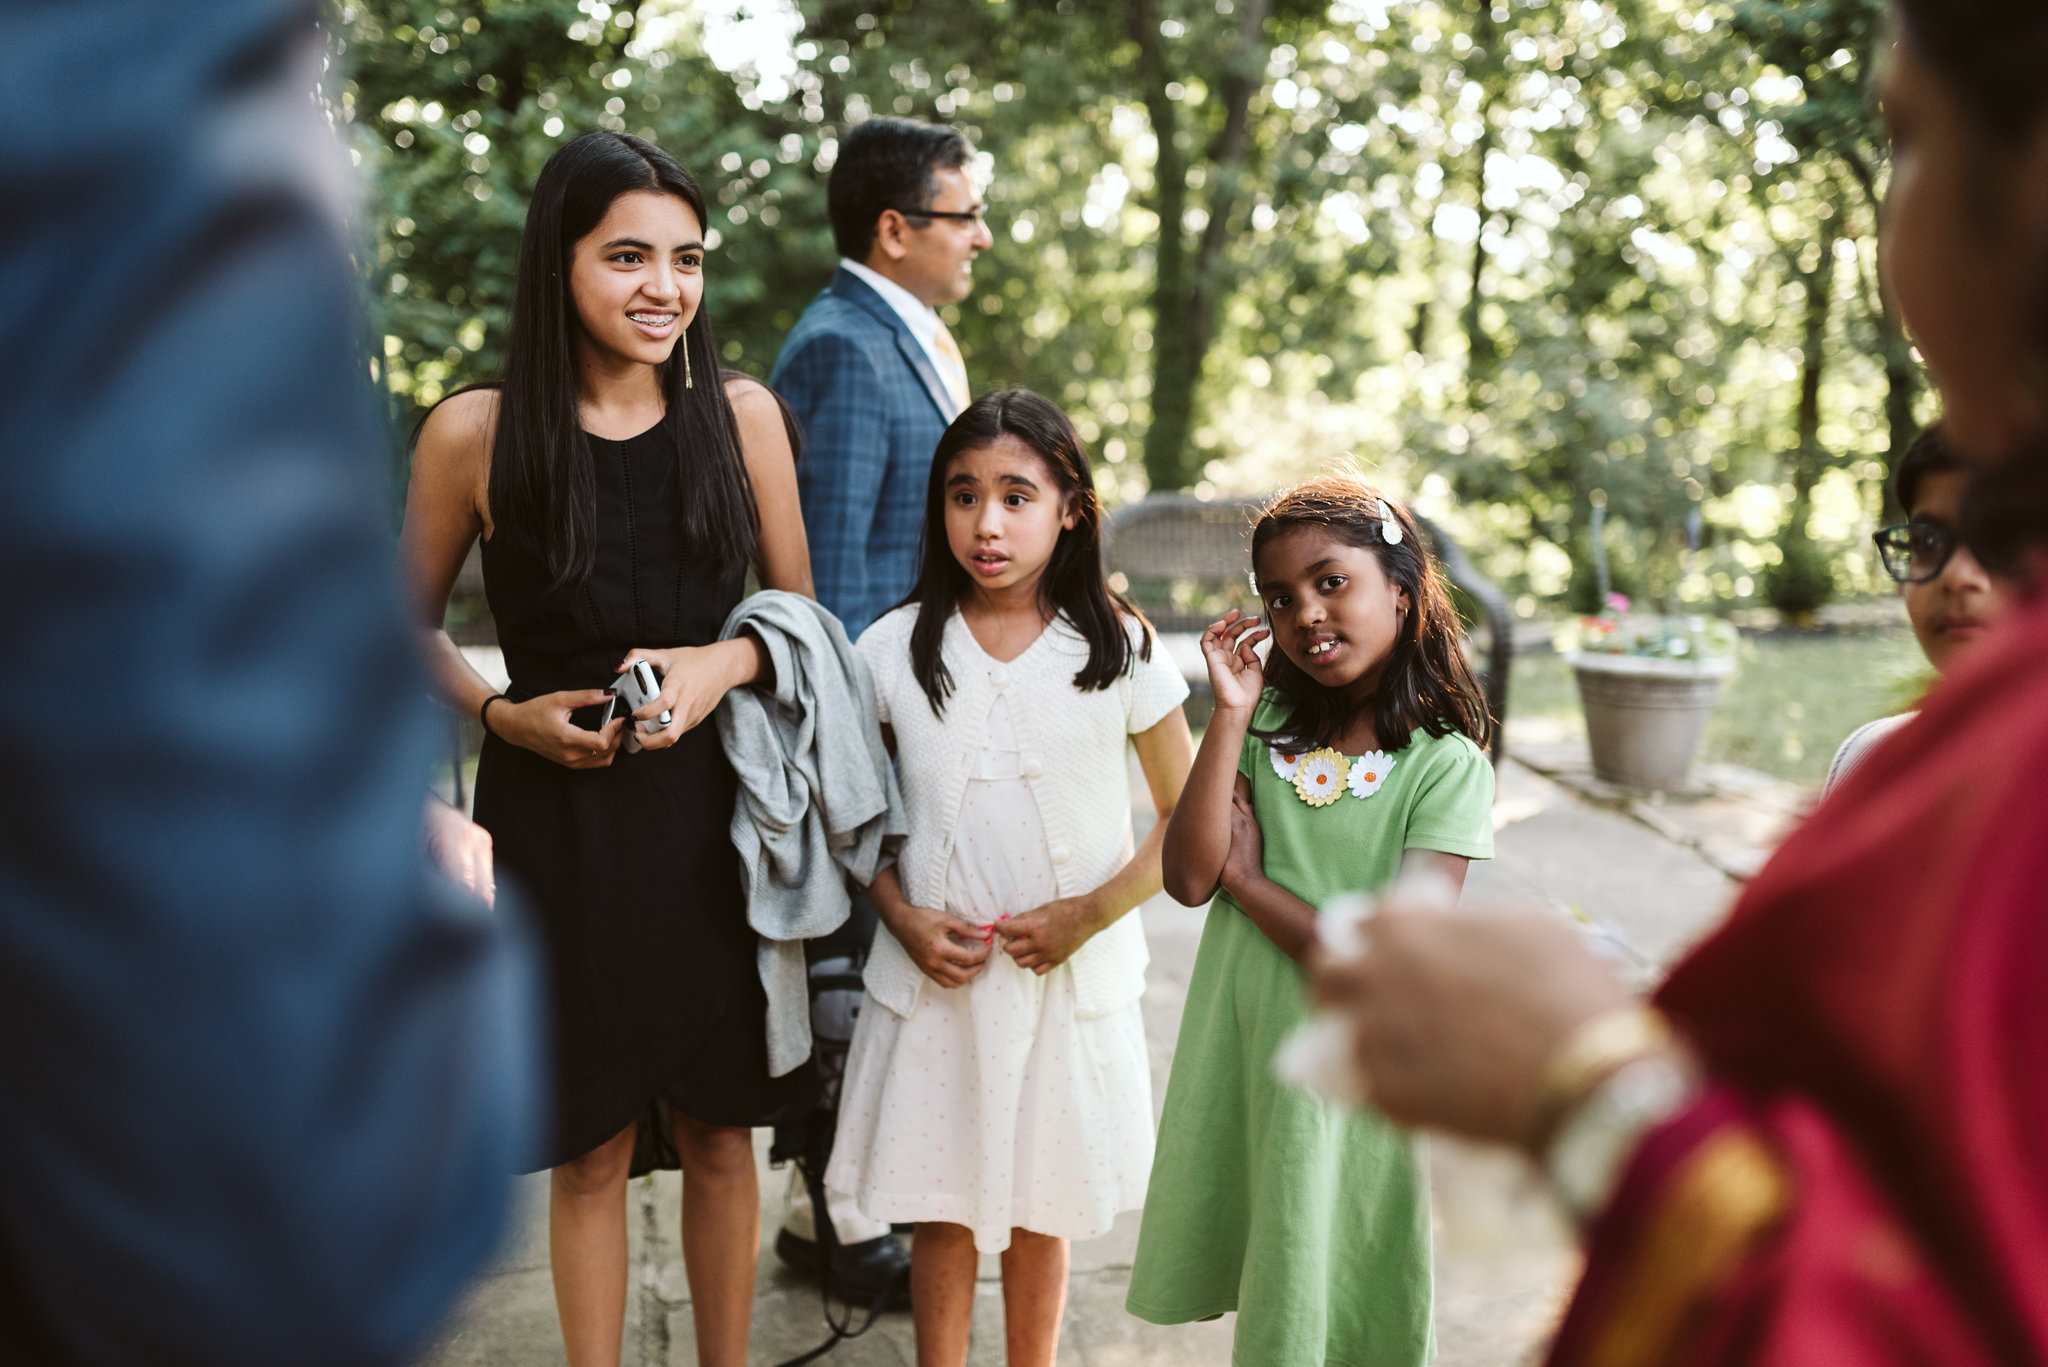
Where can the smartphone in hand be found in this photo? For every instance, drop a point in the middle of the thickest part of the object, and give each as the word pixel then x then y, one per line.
pixel 638 686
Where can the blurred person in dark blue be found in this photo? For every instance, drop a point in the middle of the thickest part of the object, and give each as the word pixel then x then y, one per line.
pixel 264 1074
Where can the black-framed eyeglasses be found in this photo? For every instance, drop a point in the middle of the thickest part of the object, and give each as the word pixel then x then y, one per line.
pixel 978 215
pixel 1915 552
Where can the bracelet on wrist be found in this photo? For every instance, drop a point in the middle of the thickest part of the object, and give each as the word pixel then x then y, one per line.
pixel 1595 1140
pixel 1590 1054
pixel 483 713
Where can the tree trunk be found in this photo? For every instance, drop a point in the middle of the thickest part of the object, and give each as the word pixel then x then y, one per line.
pixel 1802 580
pixel 1902 387
pixel 1172 380
pixel 1480 355
pixel 1188 284
pixel 1901 372
pixel 1808 459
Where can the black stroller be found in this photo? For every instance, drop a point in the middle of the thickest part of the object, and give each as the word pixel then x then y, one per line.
pixel 835 984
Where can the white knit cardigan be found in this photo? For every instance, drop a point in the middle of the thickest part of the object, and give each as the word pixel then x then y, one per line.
pixel 1073 747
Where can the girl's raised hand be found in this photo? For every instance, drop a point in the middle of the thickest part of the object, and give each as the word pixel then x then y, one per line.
pixel 1236 676
pixel 542 725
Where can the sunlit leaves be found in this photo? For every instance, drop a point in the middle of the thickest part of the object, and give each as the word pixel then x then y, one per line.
pixel 1639 184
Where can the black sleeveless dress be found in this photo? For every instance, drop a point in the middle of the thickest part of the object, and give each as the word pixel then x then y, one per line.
pixel 631 869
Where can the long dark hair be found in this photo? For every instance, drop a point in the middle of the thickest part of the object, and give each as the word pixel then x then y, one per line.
pixel 543 488
pixel 1426 683
pixel 1992 54
pixel 1072 582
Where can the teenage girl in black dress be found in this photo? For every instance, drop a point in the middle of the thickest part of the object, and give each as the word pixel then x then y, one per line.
pixel 622 490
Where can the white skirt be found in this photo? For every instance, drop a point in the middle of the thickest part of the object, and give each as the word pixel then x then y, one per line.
pixel 992 1106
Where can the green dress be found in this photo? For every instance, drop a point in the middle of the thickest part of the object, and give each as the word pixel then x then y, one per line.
pixel 1310 1221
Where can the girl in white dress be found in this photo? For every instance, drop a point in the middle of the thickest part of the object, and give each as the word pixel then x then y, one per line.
pixel 998 1092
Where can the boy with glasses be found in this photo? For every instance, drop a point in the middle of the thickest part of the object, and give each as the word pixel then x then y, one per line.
pixel 1951 597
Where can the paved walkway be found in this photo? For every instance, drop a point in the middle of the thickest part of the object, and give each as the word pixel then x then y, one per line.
pixel 1504 1260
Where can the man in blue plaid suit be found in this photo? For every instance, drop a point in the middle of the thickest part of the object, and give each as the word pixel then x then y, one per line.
pixel 874 377
pixel 872 373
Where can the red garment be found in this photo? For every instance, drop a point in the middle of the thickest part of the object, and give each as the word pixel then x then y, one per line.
pixel 1876 1013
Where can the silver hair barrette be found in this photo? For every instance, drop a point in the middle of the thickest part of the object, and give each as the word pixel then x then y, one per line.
pixel 1390 530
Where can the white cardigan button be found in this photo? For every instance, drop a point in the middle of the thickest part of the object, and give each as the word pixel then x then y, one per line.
pixel 1059 854
pixel 998 675
pixel 1032 768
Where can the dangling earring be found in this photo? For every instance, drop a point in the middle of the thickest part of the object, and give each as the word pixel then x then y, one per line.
pixel 689 380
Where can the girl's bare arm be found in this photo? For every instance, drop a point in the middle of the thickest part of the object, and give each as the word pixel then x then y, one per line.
pixel 784 554
pixel 1281 917
pixel 1046 937
pixel 447 506
pixel 446 503
pixel 1197 839
pixel 696 678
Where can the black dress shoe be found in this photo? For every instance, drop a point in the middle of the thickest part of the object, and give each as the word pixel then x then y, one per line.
pixel 860 1272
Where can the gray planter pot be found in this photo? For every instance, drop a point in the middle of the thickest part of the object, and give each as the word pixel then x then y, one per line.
pixel 1644 717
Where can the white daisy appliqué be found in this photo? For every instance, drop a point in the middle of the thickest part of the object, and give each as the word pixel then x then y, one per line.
pixel 1319 778
pixel 1368 772
pixel 1285 762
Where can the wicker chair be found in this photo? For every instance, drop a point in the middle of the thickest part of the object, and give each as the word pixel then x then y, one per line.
pixel 1186 561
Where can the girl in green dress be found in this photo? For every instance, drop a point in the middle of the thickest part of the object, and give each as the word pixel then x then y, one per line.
pixel 1351 755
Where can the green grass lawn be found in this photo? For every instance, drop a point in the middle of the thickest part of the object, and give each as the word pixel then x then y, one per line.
pixel 1792 700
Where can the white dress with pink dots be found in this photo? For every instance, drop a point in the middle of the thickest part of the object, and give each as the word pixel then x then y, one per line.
pixel 992 1105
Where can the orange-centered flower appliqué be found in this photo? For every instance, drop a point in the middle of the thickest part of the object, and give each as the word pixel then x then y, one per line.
pixel 1369 771
pixel 1319 777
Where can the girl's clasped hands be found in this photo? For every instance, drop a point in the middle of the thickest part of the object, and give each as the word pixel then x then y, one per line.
pixel 952 950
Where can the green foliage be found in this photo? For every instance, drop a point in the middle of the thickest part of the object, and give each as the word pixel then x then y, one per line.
pixel 1801 583
pixel 1514 257
pixel 454 111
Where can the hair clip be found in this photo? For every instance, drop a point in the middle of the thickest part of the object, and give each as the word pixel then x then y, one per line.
pixel 1390 530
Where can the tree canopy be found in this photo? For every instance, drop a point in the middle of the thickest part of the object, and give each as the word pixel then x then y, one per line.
pixel 1520 260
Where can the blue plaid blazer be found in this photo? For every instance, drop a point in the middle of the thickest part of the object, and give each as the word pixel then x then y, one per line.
pixel 872 410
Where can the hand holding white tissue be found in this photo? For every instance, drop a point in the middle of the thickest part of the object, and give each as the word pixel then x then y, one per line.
pixel 1449 1016
pixel 1318 1056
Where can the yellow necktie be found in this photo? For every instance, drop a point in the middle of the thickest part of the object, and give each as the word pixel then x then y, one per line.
pixel 953 374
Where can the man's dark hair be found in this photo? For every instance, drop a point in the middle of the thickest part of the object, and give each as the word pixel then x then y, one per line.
pixel 887 164
pixel 1928 455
